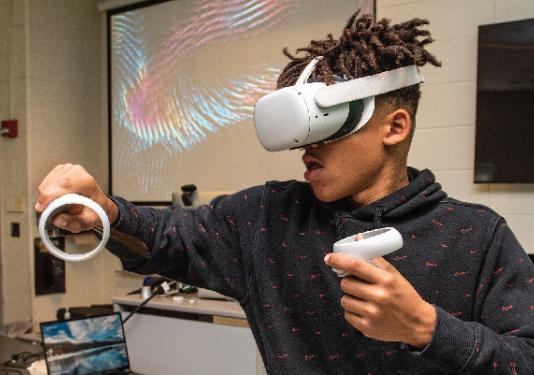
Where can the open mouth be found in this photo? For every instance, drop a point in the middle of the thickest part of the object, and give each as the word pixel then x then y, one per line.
pixel 313 166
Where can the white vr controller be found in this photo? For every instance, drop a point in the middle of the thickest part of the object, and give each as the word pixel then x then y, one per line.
pixel 375 243
pixel 56 206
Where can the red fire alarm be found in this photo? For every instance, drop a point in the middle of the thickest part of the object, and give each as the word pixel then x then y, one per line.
pixel 9 128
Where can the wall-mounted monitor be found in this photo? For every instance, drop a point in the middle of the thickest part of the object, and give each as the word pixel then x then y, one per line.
pixel 505 103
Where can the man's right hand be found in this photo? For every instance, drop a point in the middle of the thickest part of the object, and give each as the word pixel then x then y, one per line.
pixel 69 178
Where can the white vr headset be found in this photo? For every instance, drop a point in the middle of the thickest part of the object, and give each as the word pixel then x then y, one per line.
pixel 308 113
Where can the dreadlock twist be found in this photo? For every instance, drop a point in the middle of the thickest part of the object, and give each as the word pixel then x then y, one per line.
pixel 364 49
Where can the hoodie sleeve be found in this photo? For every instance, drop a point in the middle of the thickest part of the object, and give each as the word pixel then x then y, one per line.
pixel 502 341
pixel 208 246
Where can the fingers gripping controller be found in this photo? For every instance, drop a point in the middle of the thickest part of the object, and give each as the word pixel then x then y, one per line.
pixel 374 243
pixel 54 207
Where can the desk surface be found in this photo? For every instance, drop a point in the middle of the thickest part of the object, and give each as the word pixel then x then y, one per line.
pixel 10 346
pixel 197 306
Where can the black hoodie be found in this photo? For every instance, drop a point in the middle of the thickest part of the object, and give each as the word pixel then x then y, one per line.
pixel 265 246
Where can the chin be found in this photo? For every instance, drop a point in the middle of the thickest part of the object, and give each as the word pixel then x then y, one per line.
pixel 324 194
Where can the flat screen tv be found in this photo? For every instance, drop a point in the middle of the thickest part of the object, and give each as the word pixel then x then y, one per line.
pixel 504 149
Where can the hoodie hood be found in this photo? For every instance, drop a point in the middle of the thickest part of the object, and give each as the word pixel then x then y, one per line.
pixel 421 192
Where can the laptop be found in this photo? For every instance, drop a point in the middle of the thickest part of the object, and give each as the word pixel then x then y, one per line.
pixel 93 345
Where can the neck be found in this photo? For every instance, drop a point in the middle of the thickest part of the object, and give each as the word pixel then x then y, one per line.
pixel 388 180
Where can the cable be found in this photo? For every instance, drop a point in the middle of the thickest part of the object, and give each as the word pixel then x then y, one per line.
pixel 21 361
pixel 161 289
pixel 26 357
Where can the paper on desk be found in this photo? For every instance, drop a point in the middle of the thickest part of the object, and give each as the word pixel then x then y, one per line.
pixel 38 368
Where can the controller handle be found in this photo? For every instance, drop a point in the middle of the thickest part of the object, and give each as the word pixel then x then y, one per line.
pixel 375 243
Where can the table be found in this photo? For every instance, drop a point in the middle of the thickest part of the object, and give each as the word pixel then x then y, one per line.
pixel 191 336
pixel 10 346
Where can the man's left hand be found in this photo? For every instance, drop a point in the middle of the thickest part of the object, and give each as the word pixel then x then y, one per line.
pixel 381 303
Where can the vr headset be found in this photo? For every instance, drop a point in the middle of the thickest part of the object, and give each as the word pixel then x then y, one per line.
pixel 312 112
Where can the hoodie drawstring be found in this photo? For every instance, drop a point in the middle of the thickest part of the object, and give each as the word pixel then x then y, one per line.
pixel 378 216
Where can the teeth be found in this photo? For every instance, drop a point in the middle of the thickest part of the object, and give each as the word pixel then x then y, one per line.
pixel 314 165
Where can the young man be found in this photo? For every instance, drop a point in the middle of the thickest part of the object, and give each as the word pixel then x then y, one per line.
pixel 458 297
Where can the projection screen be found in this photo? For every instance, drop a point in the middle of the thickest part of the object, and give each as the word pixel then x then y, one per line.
pixel 184 76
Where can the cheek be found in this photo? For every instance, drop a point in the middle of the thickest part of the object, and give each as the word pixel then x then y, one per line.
pixel 350 163
pixel 353 170
pixel 353 163
pixel 339 182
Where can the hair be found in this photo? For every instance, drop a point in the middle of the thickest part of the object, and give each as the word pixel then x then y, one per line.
pixel 366 48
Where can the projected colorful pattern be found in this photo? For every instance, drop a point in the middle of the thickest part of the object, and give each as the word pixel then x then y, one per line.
pixel 157 101
pixel 185 77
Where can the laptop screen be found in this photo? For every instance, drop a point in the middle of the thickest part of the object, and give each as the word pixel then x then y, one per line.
pixel 85 346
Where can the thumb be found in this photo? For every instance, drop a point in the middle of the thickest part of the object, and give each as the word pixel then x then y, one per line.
pixel 77 223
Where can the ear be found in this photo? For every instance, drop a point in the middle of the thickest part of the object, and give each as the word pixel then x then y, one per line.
pixel 397 126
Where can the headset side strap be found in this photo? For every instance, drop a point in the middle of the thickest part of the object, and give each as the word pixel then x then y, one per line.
pixel 308 70
pixel 365 87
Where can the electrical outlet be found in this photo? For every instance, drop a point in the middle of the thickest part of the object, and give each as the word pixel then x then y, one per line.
pixel 15 229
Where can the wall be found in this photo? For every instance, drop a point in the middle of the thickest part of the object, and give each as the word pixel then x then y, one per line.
pixel 14 256
pixel 54 90
pixel 5 19
pixel 64 107
pixel 445 135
